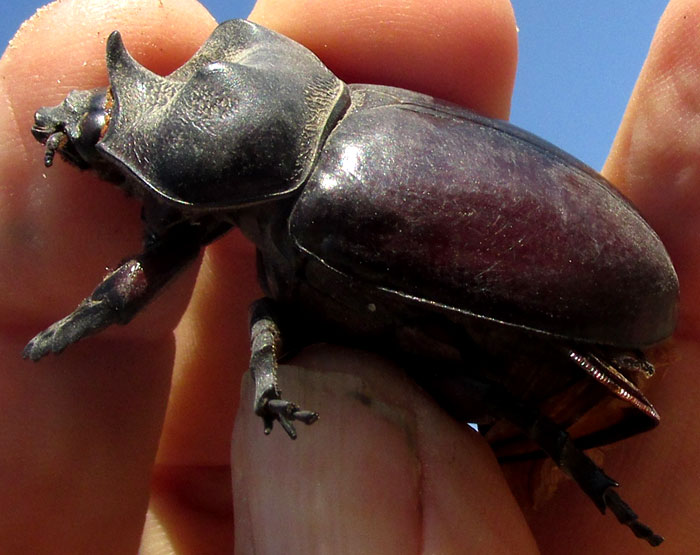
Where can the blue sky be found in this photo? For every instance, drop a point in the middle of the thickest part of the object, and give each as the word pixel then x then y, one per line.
pixel 578 64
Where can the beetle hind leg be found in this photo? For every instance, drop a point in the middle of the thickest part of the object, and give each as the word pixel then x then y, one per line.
pixel 589 476
pixel 265 342
pixel 628 517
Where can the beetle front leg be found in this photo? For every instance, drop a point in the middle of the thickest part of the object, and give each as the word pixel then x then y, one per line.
pixel 123 293
pixel 265 343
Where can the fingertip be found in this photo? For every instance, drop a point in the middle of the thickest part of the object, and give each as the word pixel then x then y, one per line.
pixel 465 52
pixel 382 471
pixel 654 158
pixel 61 47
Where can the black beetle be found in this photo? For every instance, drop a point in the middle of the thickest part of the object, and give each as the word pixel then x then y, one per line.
pixel 516 285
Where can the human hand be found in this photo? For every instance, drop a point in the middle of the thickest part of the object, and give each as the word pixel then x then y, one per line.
pixel 80 431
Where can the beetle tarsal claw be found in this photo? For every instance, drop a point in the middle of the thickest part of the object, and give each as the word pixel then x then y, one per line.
pixel 285 412
pixel 628 517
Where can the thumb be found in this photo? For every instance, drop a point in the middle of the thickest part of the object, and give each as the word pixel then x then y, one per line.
pixel 384 470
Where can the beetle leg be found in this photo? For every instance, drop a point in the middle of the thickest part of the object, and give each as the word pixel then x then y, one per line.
pixel 265 342
pixel 122 293
pixel 589 476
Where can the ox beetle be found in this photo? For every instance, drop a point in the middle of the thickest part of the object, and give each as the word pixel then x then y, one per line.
pixel 515 284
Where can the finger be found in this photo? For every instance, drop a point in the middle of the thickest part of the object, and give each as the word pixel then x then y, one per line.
pixel 266 467
pixel 383 471
pixel 464 52
pixel 654 158
pixel 191 502
pixel 79 430
pixel 655 162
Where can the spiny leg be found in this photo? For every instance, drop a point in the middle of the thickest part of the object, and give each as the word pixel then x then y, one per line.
pixel 589 476
pixel 558 445
pixel 265 342
pixel 123 292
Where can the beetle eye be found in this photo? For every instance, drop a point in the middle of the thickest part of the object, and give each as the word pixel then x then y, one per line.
pixel 91 127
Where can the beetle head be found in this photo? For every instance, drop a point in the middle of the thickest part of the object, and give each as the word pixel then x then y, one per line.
pixel 73 127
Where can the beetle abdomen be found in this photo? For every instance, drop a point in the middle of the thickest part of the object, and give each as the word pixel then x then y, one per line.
pixel 452 208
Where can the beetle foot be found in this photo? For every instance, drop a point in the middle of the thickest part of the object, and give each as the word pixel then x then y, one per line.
pixel 90 317
pixel 628 517
pixel 285 412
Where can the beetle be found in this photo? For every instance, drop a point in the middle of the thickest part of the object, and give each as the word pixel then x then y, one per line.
pixel 514 283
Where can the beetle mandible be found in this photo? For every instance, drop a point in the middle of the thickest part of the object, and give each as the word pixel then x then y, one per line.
pixel 399 222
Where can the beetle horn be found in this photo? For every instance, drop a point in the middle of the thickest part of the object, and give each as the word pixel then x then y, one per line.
pixel 123 69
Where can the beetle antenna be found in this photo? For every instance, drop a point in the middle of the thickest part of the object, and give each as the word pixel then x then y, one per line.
pixel 53 143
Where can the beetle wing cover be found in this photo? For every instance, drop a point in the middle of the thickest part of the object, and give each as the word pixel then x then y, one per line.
pixel 432 202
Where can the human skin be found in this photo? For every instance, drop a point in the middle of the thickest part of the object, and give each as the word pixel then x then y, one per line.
pixel 140 419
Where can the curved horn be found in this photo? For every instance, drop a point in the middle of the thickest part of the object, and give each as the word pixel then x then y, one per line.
pixel 122 67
